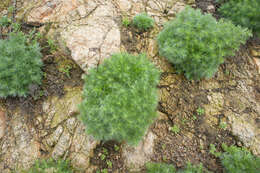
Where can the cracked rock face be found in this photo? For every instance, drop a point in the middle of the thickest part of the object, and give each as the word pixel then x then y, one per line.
pixel 88 29
pixel 68 138
pixel 19 145
pixel 136 157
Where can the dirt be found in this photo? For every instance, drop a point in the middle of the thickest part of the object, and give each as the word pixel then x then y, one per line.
pixel 53 82
pixel 191 143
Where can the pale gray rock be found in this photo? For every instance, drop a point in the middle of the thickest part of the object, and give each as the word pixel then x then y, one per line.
pixel 19 145
pixel 62 146
pixel 2 123
pixel 137 157
pixel 58 109
pixel 52 139
pixel 82 147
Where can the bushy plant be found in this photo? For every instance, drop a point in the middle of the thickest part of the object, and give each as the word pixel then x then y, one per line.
pixel 193 169
pixel 243 12
pixel 143 22
pixel 120 98
pixel 167 168
pixel 160 168
pixel 196 44
pixel 20 65
pixel 50 166
pixel 239 160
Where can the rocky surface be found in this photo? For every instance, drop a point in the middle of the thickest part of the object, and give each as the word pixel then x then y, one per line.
pixel 136 157
pixel 2 123
pixel 91 30
pixel 19 145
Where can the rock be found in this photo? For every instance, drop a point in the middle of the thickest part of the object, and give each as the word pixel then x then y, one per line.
pixel 88 28
pixel 62 146
pixel 52 139
pixel 216 104
pixel 2 123
pixel 245 128
pixel 124 5
pixel 19 146
pixel 211 8
pixel 82 147
pixel 96 39
pixel 137 157
pixel 257 63
pixel 59 109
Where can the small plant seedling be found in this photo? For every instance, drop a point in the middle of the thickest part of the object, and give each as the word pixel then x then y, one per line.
pixel 200 111
pixel 194 117
pixel 116 148
pixel 125 22
pixel 66 70
pixel 227 72
pixel 109 164
pixel 143 22
pixel 51 44
pixel 175 129
pixel 213 150
pixel 102 156
pixel 223 125
pixel 104 171
pixel 163 146
pixel 105 151
pixel 4 21
pixel 184 121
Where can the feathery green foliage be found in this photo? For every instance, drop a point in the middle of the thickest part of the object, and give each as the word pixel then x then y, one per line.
pixel 160 168
pixel 243 12
pixel 193 169
pixel 50 166
pixel 167 168
pixel 239 160
pixel 143 22
pixel 197 44
pixel 120 98
pixel 20 64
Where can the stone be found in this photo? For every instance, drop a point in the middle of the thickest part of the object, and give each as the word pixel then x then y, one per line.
pixel 59 109
pixel 211 9
pixel 52 139
pixel 216 104
pixel 19 146
pixel 95 39
pixel 62 146
pixel 257 63
pixel 245 128
pixel 2 123
pixel 137 157
pixel 82 147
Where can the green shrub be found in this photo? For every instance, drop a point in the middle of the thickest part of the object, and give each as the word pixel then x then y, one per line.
pixel 143 22
pixel 120 98
pixel 193 169
pixel 196 44
pixel 50 166
pixel 243 12
pixel 4 21
pixel 166 168
pixel 159 168
pixel 239 160
pixel 125 22
pixel 20 65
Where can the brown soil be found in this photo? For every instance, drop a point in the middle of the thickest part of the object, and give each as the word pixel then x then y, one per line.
pixel 53 82
pixel 190 144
